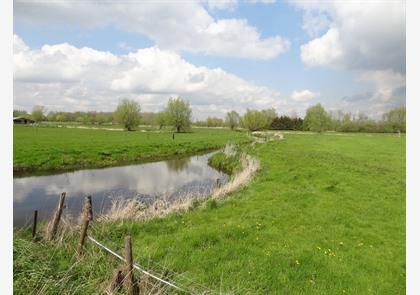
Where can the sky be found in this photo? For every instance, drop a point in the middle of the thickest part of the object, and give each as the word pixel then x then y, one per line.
pixel 74 55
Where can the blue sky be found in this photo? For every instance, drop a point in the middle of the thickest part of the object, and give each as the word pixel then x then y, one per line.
pixel 275 70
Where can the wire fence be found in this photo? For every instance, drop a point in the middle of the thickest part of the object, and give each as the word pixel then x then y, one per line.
pixel 87 222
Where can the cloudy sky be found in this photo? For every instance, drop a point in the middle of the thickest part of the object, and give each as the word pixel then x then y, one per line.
pixel 218 54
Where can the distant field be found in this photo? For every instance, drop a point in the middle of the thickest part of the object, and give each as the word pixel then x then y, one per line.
pixel 325 215
pixel 49 148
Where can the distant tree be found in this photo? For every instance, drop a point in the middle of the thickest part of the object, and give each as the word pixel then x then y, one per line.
pixel 254 120
pixel 178 112
pixel 214 122
pixel 148 118
pixel 128 114
pixel 396 119
pixel 160 119
pixel 269 115
pixel 51 116
pixel 286 123
pixel 20 113
pixel 38 113
pixel 317 119
pixel 232 120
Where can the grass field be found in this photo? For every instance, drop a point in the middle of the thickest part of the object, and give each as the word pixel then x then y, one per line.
pixel 47 148
pixel 325 215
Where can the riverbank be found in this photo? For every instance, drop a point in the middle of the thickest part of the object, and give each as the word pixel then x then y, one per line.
pixel 40 150
pixel 325 215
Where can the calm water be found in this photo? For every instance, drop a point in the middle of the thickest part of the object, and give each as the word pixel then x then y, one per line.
pixel 148 182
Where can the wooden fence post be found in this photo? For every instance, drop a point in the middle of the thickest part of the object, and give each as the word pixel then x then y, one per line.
pixel 88 208
pixel 86 217
pixel 117 281
pixel 83 236
pixel 129 279
pixel 34 224
pixel 53 230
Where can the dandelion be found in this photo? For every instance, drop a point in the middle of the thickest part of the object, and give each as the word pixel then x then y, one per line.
pixel 318 247
pixel 297 262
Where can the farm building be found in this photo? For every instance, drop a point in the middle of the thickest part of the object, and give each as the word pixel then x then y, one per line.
pixel 22 120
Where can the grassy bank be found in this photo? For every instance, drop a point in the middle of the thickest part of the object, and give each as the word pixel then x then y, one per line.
pixel 325 215
pixel 228 160
pixel 46 149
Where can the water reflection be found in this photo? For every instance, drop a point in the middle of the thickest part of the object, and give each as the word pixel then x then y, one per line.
pixel 178 164
pixel 165 179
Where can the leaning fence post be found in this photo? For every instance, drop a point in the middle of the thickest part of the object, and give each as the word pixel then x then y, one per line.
pixel 129 279
pixel 117 281
pixel 83 235
pixel 87 210
pixel 57 216
pixel 86 217
pixel 34 224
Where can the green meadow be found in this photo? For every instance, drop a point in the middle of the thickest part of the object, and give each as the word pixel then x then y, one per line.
pixel 43 149
pixel 325 214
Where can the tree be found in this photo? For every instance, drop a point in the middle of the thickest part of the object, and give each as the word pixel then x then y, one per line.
pixel 160 119
pixel 316 119
pixel 128 114
pixel 254 120
pixel 395 119
pixel 38 113
pixel 257 120
pixel 269 115
pixel 232 120
pixel 178 112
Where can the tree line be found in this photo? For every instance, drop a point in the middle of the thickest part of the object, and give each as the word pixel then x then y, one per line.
pixel 178 114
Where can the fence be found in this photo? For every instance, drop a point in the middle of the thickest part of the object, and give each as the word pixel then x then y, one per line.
pixel 123 277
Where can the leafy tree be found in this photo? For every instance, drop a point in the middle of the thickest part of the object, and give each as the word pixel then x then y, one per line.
pixel 38 113
pixel 286 123
pixel 128 114
pixel 269 115
pixel 232 120
pixel 178 112
pixel 214 122
pixel 160 119
pixel 254 120
pixel 395 119
pixel 316 119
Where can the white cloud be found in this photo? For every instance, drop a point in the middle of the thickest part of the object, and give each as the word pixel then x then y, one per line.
pixel 64 77
pixel 386 83
pixel 366 38
pixel 359 35
pixel 304 95
pixel 171 25
pixel 222 4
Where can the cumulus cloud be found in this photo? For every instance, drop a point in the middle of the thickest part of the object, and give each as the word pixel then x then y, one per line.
pixel 366 38
pixel 64 77
pixel 171 25
pixel 222 4
pixel 358 35
pixel 304 95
